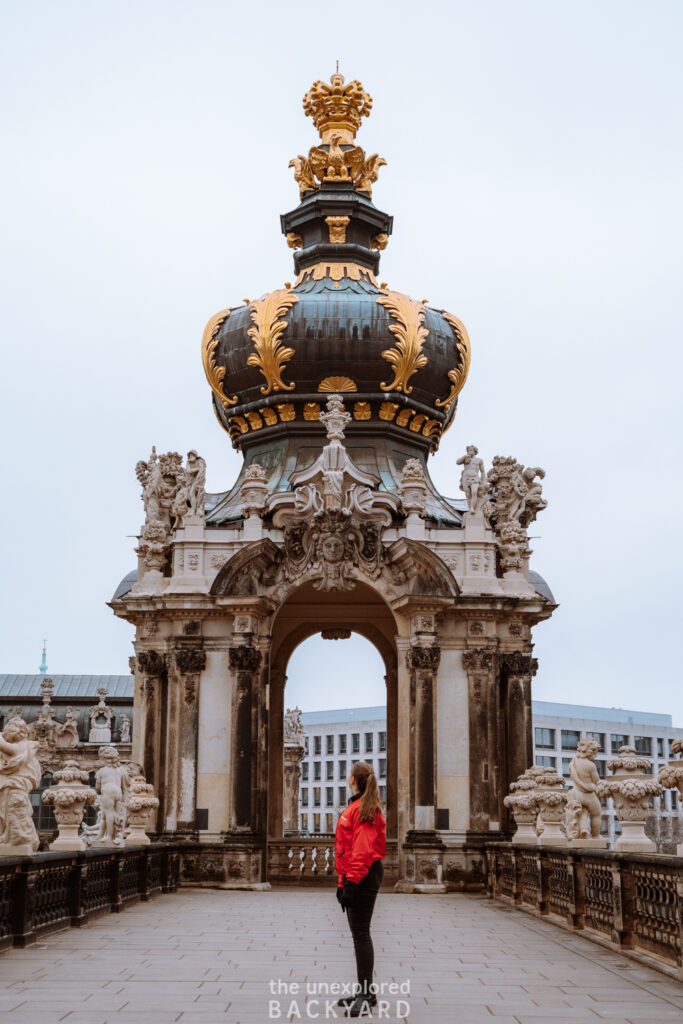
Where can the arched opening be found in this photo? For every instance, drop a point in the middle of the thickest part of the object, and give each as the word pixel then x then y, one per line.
pixel 306 613
pixel 337 680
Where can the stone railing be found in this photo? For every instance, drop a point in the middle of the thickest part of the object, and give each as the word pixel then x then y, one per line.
pixel 52 891
pixel 310 860
pixel 631 902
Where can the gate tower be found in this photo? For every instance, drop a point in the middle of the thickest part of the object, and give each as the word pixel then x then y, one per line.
pixel 336 389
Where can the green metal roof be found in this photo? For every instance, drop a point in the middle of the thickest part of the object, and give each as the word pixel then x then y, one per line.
pixel 71 687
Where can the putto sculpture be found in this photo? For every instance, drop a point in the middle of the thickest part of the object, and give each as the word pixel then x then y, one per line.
pixel 111 785
pixel 19 774
pixel 583 814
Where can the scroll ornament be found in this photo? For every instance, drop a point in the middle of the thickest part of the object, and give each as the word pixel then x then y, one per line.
pixel 406 358
pixel 266 331
pixel 458 376
pixel 215 373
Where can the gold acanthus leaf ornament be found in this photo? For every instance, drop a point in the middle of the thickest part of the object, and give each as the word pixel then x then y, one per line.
pixel 214 373
pixel 458 376
pixel 407 358
pixel 266 330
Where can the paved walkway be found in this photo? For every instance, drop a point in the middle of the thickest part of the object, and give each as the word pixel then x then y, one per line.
pixel 209 956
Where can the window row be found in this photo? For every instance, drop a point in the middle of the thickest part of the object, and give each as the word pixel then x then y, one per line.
pixel 546 739
pixel 314 821
pixel 342 767
pixel 343 743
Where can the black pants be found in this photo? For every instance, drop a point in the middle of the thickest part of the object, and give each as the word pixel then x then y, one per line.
pixel 360 917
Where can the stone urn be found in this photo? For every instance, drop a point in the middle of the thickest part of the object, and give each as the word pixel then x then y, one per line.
pixel 69 795
pixel 671 777
pixel 631 793
pixel 141 804
pixel 522 802
pixel 551 800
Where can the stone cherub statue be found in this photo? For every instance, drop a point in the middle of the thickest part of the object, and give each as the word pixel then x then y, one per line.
pixel 67 731
pixel 124 729
pixel 294 730
pixel 583 813
pixel 111 784
pixel 20 772
pixel 473 479
pixel 196 483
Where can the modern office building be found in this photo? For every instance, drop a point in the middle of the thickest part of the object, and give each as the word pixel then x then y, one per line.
pixel 335 739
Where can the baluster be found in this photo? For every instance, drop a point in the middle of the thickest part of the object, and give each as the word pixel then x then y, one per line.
pixel 290 859
pixel 328 865
pixel 302 856
pixel 314 860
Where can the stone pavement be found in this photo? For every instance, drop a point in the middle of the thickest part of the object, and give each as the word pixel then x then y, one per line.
pixel 203 956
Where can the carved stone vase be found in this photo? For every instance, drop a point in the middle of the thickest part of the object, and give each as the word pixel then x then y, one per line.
pixel 631 791
pixel 551 799
pixel 69 796
pixel 141 804
pixel 522 802
pixel 671 777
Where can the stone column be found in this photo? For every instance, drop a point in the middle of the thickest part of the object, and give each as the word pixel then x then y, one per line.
pixel 423 663
pixel 244 662
pixel 479 663
pixel 518 668
pixel 276 814
pixel 294 754
pixel 190 662
pixel 150 701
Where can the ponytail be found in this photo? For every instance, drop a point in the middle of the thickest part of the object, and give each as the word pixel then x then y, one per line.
pixel 366 781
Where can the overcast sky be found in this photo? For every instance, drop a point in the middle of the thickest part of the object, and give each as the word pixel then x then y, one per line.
pixel 534 172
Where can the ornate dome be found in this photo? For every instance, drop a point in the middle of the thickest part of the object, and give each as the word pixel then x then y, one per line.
pixel 270 362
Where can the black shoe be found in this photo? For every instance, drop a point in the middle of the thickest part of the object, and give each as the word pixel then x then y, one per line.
pixel 347 1000
pixel 360 1007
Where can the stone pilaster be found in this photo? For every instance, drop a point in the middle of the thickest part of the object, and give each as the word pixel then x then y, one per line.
pixel 479 663
pixel 245 661
pixel 189 663
pixel 294 753
pixel 423 663
pixel 517 669
pixel 150 712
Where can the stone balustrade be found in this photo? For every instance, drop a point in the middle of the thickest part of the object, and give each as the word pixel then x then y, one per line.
pixel 48 892
pixel 310 860
pixel 631 902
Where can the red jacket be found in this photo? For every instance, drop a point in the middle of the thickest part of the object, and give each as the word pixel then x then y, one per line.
pixel 358 844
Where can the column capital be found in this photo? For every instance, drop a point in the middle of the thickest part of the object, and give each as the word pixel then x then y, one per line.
pixel 150 663
pixel 189 660
pixel 518 663
pixel 245 658
pixel 423 657
pixel 478 659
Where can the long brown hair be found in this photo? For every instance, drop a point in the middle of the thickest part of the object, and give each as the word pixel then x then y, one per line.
pixel 366 780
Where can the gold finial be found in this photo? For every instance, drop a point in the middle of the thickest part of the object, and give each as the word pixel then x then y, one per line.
pixel 337 107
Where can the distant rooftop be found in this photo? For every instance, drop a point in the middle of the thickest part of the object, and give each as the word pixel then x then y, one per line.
pixel 586 711
pixel 72 687
pixel 343 715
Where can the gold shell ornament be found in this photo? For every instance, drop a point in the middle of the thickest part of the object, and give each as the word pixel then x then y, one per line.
pixel 266 330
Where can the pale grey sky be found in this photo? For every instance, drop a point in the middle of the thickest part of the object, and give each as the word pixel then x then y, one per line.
pixel 534 166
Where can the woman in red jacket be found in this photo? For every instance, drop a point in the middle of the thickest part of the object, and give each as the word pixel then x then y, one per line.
pixel 360 845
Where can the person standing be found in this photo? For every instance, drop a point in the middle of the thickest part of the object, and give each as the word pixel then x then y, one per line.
pixel 360 846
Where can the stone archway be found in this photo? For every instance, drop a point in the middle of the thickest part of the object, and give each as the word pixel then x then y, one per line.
pixel 306 612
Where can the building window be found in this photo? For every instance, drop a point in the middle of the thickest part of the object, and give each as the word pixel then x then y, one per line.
pixel 329 769
pixel 305 744
pixel 317 745
pixel 43 814
pixel 382 767
pixel 566 761
pixel 670 742
pixel 617 740
pixel 602 768
pixel 660 747
pixel 342 744
pixel 329 796
pixel 329 744
pixel 674 800
pixel 342 794
pixel 355 743
pixel 545 761
pixel 545 738
pixel 382 793
pixel 316 797
pixel 599 737
pixel 304 798
pixel 304 823
pixel 368 743
pixel 304 772
pixel 316 823
pixel 368 761
pixel 643 745
pixel 329 826
pixel 316 770
pixel 382 741
pixel 570 739
pixel 342 770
